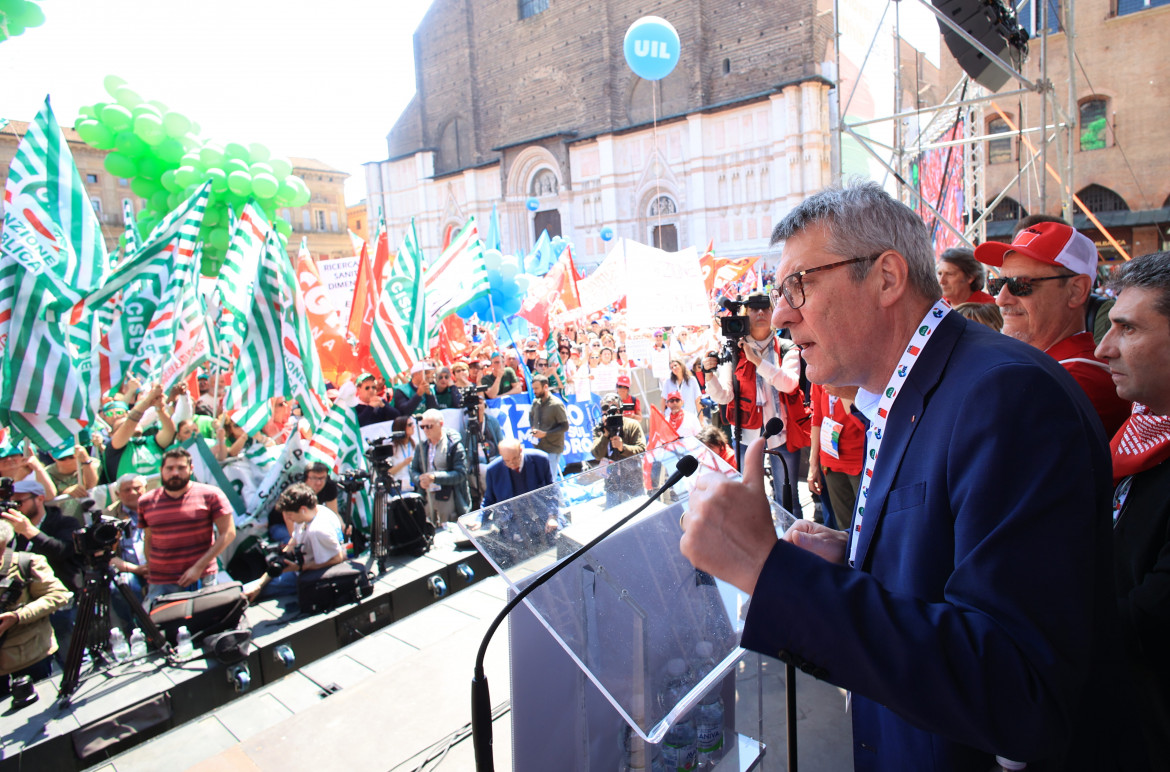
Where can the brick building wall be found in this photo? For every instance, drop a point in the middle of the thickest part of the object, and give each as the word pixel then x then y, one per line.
pixel 509 108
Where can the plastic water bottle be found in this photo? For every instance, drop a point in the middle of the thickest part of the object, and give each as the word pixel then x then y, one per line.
pixel 137 644
pixel 679 750
pixel 709 713
pixel 183 646
pixel 118 647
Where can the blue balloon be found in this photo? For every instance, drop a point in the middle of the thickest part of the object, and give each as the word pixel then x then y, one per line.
pixel 652 47
pixel 606 233
pixel 533 204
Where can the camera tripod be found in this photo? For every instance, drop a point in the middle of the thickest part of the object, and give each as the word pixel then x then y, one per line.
pixel 91 629
pixel 392 518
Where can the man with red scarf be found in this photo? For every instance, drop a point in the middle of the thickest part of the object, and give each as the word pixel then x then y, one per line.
pixel 1137 349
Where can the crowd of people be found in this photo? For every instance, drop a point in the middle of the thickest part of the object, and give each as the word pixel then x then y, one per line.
pixel 982 527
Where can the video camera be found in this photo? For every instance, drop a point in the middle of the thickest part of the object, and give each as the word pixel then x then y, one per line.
pixel 380 450
pixel 472 397
pixel 275 555
pixel 613 418
pixel 99 540
pixel 6 491
pixel 353 480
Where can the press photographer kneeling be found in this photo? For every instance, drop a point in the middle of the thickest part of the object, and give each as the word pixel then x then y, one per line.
pixel 316 543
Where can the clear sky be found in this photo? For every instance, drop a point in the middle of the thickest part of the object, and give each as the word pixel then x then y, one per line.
pixel 322 80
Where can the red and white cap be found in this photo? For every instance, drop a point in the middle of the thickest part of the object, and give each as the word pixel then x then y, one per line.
pixel 1049 242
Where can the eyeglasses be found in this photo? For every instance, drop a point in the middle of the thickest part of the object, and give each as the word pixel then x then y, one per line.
pixel 114 413
pixel 443 376
pixel 675 399
pixel 1020 286
pixel 541 363
pixel 792 287
pixel 428 426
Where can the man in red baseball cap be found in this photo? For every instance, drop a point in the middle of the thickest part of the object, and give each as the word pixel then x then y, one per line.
pixel 623 391
pixel 1045 277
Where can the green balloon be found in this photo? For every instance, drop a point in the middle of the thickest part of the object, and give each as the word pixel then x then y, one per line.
pixel 169 182
pixel 127 97
pixel 240 183
pixel 174 200
pixel 260 168
pixel 303 194
pixel 150 167
pixel 129 144
pixel 212 216
pixel 149 128
pixel 170 150
pixel 191 143
pixel 116 117
pixel 190 158
pixel 176 124
pixel 287 193
pixel 185 176
pixel 234 150
pixel 218 180
pixel 112 83
pixel 259 152
pixel 87 111
pixel 235 165
pixel 95 134
pixel 120 165
pixel 211 155
pixel 265 186
pixel 145 108
pixel 160 200
pixel 30 15
pixel 219 238
pixel 282 226
pixel 280 167
pixel 144 187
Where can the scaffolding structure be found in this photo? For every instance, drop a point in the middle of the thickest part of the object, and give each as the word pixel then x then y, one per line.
pixel 1046 140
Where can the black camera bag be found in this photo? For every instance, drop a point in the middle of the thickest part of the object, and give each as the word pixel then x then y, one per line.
pixel 409 530
pixel 203 612
pixel 324 589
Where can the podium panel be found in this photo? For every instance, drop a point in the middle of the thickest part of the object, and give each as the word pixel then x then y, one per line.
pixel 594 646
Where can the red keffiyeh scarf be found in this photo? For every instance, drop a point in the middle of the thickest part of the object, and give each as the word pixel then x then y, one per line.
pixel 1141 443
pixel 674 418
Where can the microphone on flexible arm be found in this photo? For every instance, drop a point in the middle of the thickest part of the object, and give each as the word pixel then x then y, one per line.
pixel 481 702
pixel 773 428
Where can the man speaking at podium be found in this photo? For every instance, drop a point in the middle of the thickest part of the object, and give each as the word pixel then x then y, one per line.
pixel 969 610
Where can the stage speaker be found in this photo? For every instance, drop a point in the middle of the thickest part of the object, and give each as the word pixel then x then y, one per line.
pixel 993 24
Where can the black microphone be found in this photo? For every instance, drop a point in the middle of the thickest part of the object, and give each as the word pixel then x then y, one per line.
pixel 773 428
pixel 481 701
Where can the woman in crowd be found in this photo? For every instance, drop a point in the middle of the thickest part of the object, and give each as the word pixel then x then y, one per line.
pixel 403 451
pixel 683 382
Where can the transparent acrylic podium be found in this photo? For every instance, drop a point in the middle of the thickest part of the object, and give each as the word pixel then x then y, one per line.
pixel 589 648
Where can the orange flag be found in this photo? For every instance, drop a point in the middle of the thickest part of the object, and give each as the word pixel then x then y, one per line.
pixel 718 272
pixel 362 310
pixel 335 352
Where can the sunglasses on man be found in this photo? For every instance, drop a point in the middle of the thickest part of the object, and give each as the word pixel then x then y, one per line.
pixel 1020 286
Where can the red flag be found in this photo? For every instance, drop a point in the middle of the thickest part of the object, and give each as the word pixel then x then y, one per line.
pixel 553 294
pixel 660 434
pixel 452 340
pixel 383 257
pixel 362 310
pixel 718 272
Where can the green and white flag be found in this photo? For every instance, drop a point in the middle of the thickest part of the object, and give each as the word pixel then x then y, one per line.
pixel 51 255
pixel 457 277
pixel 277 355
pixel 338 443
pixel 205 468
pixel 405 288
pixel 237 278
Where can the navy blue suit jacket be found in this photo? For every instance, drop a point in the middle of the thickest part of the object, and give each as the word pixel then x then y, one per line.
pixel 536 472
pixel 978 620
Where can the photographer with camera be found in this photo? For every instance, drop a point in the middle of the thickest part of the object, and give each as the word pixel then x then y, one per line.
pixel 614 438
pixel 439 469
pixel 317 542
pixel 29 594
pixel 766 373
pixel 47 532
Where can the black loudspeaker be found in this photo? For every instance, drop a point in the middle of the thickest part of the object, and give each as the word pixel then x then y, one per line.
pixel 993 24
